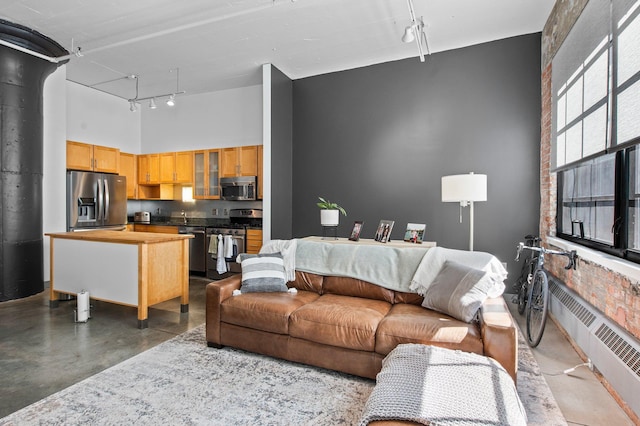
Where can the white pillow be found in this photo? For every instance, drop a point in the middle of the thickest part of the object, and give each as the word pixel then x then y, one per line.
pixel 458 291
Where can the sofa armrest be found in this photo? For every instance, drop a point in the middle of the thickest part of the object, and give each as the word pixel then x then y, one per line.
pixel 499 334
pixel 216 293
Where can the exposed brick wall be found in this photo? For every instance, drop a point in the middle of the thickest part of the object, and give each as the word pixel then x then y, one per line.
pixel 608 291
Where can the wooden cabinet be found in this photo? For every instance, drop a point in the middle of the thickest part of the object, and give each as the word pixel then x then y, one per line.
pixel 260 171
pixel 161 229
pixel 176 167
pixel 148 169
pixel 254 241
pixel 128 168
pixel 206 174
pixel 94 158
pixel 239 161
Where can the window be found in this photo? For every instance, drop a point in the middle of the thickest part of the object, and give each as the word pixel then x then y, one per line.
pixel 596 118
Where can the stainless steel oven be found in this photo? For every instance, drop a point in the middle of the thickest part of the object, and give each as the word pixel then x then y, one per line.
pixel 236 237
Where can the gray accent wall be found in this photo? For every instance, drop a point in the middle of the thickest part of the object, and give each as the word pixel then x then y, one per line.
pixel 281 155
pixel 377 141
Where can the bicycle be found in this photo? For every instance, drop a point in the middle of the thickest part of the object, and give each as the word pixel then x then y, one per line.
pixel 538 296
pixel 526 274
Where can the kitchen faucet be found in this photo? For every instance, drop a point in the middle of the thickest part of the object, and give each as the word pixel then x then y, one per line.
pixel 184 216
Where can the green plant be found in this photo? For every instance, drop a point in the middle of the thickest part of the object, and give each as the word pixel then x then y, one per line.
pixel 328 205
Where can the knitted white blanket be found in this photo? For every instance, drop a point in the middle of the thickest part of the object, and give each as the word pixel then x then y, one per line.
pixel 437 386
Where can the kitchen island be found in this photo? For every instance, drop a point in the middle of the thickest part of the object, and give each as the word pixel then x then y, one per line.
pixel 129 268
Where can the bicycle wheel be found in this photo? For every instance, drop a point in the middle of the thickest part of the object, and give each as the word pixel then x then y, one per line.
pixel 523 286
pixel 537 306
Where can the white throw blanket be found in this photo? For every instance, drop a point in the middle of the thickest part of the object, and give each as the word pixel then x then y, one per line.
pixel 435 258
pixel 288 250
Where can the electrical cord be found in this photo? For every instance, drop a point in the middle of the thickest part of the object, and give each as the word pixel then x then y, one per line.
pixel 587 364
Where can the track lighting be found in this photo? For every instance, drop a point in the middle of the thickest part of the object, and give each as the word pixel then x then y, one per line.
pixel 133 103
pixel 409 36
pixel 415 32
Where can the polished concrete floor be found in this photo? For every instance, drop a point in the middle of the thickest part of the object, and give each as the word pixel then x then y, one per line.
pixel 43 350
pixel 580 395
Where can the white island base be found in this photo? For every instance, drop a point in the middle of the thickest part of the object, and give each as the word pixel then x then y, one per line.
pixel 130 268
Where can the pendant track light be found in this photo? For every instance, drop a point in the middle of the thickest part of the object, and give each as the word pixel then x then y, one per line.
pixel 415 32
pixel 171 101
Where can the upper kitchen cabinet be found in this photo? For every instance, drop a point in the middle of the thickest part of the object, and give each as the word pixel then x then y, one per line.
pixel 94 158
pixel 128 169
pixel 176 167
pixel 206 174
pixel 148 169
pixel 239 161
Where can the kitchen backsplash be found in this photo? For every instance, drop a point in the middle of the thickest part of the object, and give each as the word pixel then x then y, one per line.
pixel 197 209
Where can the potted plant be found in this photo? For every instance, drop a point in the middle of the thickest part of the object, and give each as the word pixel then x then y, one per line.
pixel 330 212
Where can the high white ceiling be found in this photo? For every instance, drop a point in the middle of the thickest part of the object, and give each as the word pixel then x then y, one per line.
pixel 219 44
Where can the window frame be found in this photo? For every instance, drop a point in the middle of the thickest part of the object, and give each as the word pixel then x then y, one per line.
pixel 622 172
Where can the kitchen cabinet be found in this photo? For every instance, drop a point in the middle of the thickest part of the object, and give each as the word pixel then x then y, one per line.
pixel 254 241
pixel 176 167
pixel 260 171
pixel 206 165
pixel 148 169
pixel 93 158
pixel 239 161
pixel 128 168
pixel 160 229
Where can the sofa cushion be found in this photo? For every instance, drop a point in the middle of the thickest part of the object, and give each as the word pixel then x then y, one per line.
pixel 357 288
pixel 344 321
pixel 415 324
pixel 458 290
pixel 307 281
pixel 262 273
pixel 264 311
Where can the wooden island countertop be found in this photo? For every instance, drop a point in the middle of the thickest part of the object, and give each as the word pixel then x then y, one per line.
pixel 137 269
pixel 120 237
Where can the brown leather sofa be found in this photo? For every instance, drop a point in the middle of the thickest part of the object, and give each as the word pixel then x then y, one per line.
pixel 348 325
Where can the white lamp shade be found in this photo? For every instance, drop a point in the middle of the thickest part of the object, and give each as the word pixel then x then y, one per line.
pixel 469 187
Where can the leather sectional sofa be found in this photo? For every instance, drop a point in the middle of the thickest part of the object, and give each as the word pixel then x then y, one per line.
pixel 348 325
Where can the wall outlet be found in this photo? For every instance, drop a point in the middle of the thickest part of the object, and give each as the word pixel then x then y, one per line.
pixel 226 212
pixel 214 212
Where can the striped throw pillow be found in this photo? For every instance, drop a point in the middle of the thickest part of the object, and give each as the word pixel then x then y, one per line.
pixel 262 273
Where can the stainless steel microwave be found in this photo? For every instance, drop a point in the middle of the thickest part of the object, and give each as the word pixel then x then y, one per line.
pixel 238 188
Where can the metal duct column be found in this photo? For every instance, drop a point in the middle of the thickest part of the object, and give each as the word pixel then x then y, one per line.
pixel 22 77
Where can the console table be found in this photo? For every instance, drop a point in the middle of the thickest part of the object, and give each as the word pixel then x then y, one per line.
pixel 129 268
pixel 371 241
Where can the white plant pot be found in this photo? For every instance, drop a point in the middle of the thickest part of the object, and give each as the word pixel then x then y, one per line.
pixel 329 217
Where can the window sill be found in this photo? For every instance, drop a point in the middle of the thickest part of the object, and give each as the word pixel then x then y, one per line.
pixel 629 269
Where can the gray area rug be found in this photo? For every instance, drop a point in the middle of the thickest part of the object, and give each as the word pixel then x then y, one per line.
pixel 183 382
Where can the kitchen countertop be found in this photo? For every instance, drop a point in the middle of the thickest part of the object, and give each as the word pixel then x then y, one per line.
pixel 119 237
pixel 204 222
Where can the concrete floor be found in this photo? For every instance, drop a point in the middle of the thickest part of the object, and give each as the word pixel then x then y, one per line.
pixel 580 395
pixel 43 351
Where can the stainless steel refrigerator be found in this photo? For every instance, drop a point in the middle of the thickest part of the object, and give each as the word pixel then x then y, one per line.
pixel 96 201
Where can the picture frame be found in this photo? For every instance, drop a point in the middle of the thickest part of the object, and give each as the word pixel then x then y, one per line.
pixel 415 233
pixel 357 229
pixel 383 233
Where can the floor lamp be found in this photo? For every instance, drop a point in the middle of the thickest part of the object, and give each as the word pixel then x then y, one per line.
pixel 465 189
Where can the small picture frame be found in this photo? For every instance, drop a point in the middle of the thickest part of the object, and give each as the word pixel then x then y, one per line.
pixel 383 233
pixel 357 229
pixel 414 233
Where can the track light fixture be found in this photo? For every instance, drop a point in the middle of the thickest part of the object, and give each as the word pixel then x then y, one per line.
pixel 134 102
pixel 415 32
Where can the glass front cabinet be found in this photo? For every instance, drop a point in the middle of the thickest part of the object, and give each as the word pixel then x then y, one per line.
pixel 206 174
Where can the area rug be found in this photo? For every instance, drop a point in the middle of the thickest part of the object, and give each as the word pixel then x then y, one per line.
pixel 183 382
